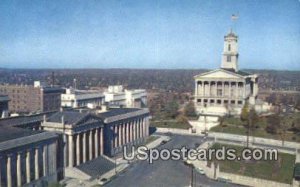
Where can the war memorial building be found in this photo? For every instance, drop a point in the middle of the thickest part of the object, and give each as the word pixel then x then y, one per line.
pixel 40 149
pixel 227 89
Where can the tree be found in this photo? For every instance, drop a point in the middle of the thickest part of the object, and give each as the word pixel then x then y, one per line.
pixel 253 119
pixel 189 110
pixel 172 109
pixel 245 119
pixel 245 112
pixel 273 124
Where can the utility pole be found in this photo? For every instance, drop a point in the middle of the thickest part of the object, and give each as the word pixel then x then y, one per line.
pixel 191 182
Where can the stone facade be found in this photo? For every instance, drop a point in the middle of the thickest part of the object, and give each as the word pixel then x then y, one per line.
pixel 30 160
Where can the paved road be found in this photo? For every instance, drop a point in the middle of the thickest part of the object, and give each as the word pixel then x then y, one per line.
pixel 164 173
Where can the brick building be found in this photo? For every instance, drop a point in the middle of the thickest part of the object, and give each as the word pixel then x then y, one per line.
pixel 32 98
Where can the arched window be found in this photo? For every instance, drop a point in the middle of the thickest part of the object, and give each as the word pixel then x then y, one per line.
pixel 228 58
pixel 229 47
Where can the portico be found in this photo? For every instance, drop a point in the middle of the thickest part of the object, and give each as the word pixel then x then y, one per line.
pixel 83 135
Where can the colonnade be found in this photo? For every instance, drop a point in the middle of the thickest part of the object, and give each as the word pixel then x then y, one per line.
pixel 83 146
pixel 130 131
pixel 28 165
pixel 220 88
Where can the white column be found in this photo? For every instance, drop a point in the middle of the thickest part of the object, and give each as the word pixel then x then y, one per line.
pixel 144 127
pixel 77 149
pixel 71 148
pixel 36 163
pixel 230 87
pixel 223 89
pixel 120 135
pixel 96 137
pixel 8 171
pixel 134 130
pixel 123 133
pixel 65 141
pixel 127 133
pixel 138 129
pixel 131 131
pixel 84 147
pixel 28 174
pixel 101 141
pixel 19 171
pixel 45 160
pixel 90 145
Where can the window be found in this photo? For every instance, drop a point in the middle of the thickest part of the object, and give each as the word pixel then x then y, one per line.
pixel 229 47
pixel 228 58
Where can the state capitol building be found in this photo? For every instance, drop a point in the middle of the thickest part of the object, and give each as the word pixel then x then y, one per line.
pixel 227 89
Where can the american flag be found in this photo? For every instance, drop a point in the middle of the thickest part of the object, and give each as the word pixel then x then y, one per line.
pixel 234 17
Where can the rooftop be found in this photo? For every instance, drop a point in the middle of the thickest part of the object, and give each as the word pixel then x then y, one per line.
pixel 69 117
pixel 20 120
pixel 9 133
pixel 242 73
pixel 117 111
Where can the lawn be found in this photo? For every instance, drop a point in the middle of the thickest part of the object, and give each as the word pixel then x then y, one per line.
pixel 280 170
pixel 235 126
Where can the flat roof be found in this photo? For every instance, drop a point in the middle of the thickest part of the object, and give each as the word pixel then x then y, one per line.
pixel 117 111
pixel 19 120
pixel 10 133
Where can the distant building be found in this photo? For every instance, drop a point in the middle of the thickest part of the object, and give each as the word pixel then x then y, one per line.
pixel 4 106
pixel 82 98
pixel 225 90
pixel 32 98
pixel 117 96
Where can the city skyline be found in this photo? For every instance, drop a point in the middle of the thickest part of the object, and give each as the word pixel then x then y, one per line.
pixel 148 35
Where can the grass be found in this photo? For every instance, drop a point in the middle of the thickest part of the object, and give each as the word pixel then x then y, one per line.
pixel 170 124
pixel 280 170
pixel 235 126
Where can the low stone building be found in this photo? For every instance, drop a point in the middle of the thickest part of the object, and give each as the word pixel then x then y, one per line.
pixel 44 148
pixel 29 157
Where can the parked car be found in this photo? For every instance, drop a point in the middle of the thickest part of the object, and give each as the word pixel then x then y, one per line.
pixel 225 180
pixel 103 181
pixel 200 170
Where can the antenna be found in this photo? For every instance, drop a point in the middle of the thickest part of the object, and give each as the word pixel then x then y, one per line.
pixel 74 84
pixel 52 79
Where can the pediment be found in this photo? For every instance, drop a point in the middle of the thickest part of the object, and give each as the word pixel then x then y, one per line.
pixel 219 73
pixel 88 119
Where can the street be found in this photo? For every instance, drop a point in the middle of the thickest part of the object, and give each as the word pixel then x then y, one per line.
pixel 165 173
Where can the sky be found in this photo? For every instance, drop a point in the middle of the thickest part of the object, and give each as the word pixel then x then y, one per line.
pixel 160 34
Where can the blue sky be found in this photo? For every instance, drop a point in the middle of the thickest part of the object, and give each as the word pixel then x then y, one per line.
pixel 147 33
